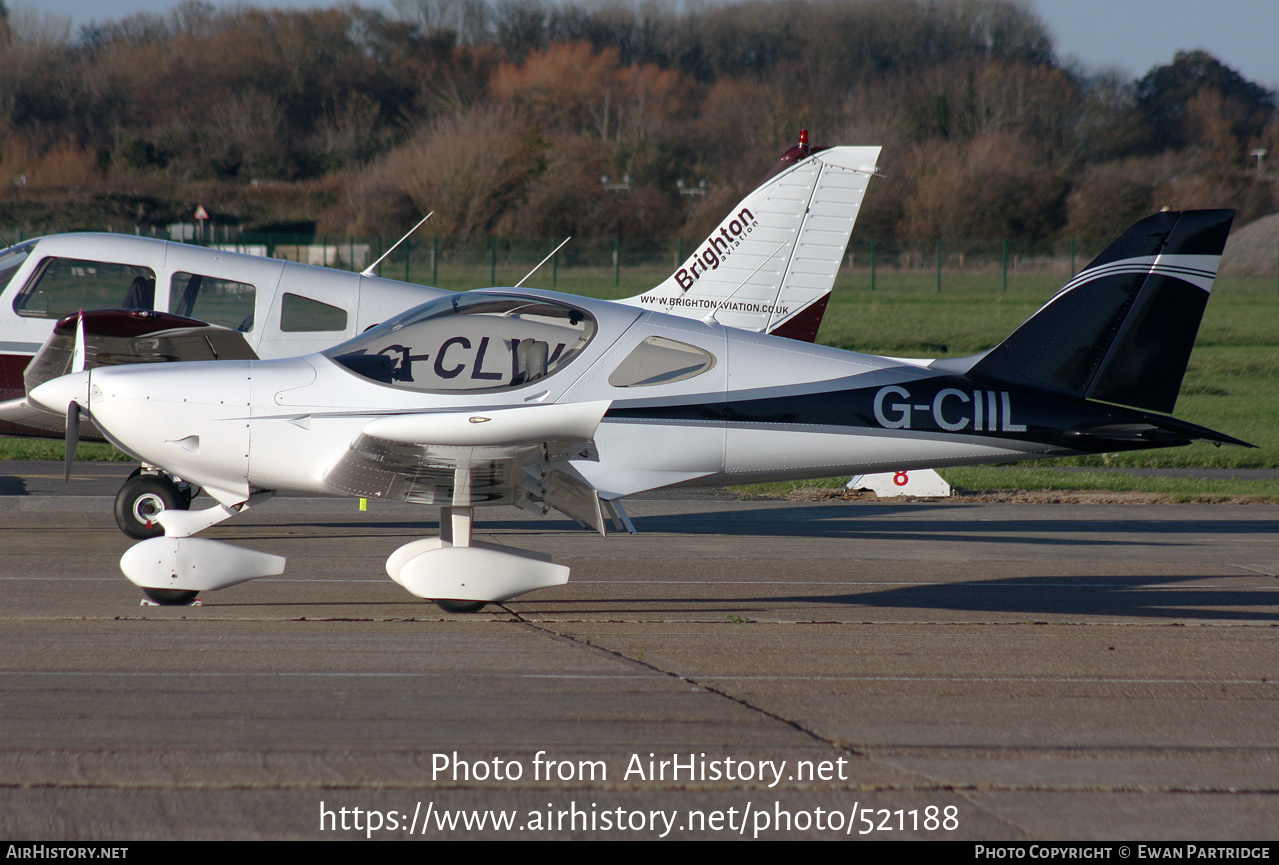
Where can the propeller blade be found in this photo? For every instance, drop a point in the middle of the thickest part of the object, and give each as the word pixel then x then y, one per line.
pixel 73 435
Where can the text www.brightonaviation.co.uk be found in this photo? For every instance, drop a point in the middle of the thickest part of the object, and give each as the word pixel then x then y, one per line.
pixel 750 820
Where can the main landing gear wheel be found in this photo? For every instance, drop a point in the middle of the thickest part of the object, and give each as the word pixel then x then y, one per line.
pixel 142 499
pixel 452 606
pixel 170 597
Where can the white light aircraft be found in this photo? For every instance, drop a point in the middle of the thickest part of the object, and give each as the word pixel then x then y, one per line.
pixel 550 401
pixel 155 300
pixel 768 267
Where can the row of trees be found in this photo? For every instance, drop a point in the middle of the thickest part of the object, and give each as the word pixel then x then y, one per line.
pixel 503 115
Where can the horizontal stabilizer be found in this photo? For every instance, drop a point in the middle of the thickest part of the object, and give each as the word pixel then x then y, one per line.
pixel 1158 430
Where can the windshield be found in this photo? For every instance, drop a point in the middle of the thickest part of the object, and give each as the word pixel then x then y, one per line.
pixel 470 341
pixel 12 258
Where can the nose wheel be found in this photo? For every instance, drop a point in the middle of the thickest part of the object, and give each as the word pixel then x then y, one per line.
pixel 143 498
pixel 170 597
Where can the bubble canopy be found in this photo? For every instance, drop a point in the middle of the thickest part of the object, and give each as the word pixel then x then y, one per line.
pixel 470 341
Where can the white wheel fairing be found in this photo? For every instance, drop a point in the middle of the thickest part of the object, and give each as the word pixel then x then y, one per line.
pixel 195 564
pixel 478 573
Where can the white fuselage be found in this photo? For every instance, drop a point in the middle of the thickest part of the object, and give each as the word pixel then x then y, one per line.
pixel 237 426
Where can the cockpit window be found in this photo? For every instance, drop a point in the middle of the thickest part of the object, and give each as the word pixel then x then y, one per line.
pixel 66 285
pixel 470 341
pixel 11 259
pixel 658 360
pixel 217 301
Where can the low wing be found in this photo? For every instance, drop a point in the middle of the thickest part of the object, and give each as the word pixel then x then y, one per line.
pixel 517 456
pixel 113 337
pixel 120 336
pixel 23 418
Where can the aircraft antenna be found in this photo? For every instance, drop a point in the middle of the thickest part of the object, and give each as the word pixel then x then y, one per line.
pixel 368 271
pixel 543 261
pixel 710 316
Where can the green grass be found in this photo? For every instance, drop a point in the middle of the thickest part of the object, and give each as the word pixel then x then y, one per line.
pixel 983 478
pixel 906 317
pixel 789 489
pixel 53 449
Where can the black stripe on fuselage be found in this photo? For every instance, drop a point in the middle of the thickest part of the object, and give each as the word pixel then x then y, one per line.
pixel 942 406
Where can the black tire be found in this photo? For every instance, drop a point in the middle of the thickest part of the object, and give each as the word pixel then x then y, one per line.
pixel 170 597
pixel 143 497
pixel 449 605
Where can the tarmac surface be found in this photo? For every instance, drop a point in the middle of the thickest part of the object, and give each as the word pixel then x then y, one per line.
pixel 868 670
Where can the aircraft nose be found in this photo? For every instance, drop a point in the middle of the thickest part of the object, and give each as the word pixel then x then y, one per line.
pixel 190 419
pixel 57 394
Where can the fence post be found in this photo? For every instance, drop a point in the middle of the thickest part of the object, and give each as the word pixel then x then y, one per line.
pixel 1005 265
pixel 617 262
pixel 939 265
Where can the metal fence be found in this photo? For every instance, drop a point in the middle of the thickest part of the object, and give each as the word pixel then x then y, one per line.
pixel 503 260
pixel 600 264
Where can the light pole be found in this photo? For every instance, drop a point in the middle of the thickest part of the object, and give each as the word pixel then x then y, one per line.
pixel 624 185
pixel 1259 154
pixel 685 189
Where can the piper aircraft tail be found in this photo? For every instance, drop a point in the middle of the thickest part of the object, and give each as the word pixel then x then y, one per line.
pixel 771 263
pixel 1122 330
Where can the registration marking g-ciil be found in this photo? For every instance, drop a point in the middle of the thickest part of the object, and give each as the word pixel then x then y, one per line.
pixel 951 409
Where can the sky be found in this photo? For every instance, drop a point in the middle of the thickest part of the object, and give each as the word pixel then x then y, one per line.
pixel 1133 35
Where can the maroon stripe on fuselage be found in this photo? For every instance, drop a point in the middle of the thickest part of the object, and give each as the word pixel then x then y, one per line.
pixel 125 323
pixel 12 387
pixel 11 367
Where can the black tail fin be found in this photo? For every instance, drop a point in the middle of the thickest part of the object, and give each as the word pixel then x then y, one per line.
pixel 1122 330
